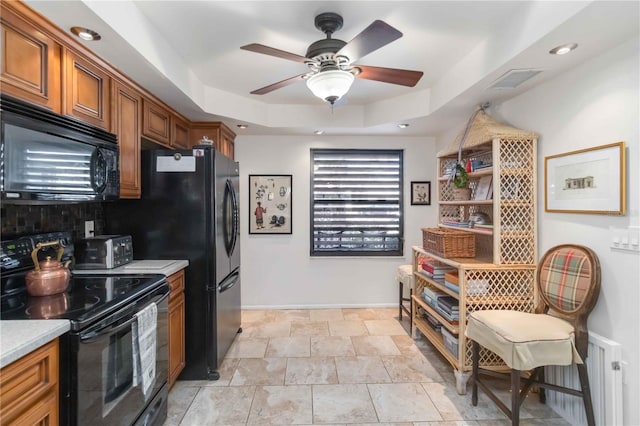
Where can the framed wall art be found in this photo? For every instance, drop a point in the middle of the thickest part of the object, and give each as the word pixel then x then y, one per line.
pixel 270 204
pixel 420 193
pixel 590 180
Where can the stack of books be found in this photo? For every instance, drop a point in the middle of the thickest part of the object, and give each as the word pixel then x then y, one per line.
pixel 432 295
pixel 483 228
pixel 457 223
pixel 432 322
pixel 451 281
pixel 448 307
pixel 436 270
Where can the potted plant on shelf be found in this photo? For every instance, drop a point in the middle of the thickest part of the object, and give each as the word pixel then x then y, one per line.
pixel 461 183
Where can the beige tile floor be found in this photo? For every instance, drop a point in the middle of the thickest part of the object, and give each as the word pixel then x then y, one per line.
pixel 336 367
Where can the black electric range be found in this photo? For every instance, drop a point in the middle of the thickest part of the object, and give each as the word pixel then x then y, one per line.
pixel 87 298
pixel 98 385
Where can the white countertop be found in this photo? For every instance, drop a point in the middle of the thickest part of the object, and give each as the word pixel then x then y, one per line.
pixel 18 338
pixel 164 267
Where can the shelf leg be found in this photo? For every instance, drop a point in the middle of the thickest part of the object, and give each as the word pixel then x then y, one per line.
pixel 415 333
pixel 462 377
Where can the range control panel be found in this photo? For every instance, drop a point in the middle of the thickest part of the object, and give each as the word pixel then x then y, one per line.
pixel 16 254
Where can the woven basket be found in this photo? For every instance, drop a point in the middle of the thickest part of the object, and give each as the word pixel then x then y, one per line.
pixel 449 242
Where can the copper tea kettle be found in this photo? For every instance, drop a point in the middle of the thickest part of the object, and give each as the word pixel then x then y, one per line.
pixel 49 276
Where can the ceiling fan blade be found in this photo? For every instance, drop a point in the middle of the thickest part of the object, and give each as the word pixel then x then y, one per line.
pixel 278 85
pixel 271 51
pixel 390 75
pixel 372 38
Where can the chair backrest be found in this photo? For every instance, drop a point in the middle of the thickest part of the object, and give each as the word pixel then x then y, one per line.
pixel 569 284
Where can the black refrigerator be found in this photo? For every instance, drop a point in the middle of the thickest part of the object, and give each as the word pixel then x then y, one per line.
pixel 189 210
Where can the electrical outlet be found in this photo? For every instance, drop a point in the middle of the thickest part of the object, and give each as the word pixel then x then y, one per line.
pixel 89 229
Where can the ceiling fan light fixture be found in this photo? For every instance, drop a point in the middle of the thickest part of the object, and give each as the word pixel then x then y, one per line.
pixel 330 85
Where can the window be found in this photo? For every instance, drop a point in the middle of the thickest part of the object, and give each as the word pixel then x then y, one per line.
pixel 356 202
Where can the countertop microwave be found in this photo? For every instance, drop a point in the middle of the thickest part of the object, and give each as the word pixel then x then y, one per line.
pixel 47 158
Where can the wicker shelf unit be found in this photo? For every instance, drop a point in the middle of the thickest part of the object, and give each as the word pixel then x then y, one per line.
pixel 502 273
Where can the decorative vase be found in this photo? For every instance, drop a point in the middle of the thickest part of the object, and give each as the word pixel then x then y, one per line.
pixel 461 194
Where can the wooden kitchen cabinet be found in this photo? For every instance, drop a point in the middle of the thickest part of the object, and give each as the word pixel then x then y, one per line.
pixel 31 61
pixel 127 118
pixel 156 122
pixel 179 133
pixel 217 131
pixel 177 358
pixel 29 388
pixel 87 91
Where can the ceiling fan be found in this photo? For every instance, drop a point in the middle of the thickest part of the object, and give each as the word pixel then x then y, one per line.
pixel 331 61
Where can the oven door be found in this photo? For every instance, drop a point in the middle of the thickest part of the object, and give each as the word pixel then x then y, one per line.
pixel 105 393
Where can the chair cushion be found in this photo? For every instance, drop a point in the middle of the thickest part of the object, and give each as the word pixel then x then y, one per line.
pixel 565 278
pixel 405 274
pixel 524 340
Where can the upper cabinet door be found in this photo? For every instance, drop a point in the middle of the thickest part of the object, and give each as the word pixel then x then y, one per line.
pixel 179 133
pixel 30 61
pixel 87 91
pixel 156 122
pixel 127 114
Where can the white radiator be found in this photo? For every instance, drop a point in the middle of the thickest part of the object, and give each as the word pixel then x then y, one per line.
pixel 605 379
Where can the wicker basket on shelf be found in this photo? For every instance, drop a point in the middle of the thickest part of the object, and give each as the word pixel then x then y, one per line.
pixel 449 242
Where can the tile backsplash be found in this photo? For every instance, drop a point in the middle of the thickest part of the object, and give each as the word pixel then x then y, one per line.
pixel 33 219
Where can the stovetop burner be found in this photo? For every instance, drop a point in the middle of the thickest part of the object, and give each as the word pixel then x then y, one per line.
pixel 60 305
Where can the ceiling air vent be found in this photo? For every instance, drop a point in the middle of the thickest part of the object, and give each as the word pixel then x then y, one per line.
pixel 514 78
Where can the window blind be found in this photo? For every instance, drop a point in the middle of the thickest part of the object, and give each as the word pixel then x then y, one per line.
pixel 356 202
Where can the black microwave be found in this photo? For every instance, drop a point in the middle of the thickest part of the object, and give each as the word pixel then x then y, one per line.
pixel 47 158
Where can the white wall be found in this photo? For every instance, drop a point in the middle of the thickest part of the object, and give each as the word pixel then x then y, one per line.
pixel 594 104
pixel 277 271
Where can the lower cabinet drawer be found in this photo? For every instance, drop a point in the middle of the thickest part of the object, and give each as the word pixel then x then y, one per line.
pixel 29 387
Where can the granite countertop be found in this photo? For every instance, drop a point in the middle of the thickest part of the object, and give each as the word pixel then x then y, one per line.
pixel 18 338
pixel 164 267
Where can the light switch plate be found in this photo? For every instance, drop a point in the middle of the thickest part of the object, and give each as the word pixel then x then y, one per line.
pixel 627 239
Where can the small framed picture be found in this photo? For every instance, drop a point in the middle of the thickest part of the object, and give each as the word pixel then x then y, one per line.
pixel 590 180
pixel 270 204
pixel 420 193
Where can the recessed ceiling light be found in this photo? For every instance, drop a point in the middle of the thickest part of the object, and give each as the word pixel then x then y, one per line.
pixel 86 33
pixel 242 126
pixel 403 125
pixel 563 49
pixel 318 132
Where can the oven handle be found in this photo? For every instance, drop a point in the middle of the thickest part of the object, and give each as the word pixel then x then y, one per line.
pixel 93 336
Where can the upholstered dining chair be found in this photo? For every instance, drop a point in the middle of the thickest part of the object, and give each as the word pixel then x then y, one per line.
pixel 568 281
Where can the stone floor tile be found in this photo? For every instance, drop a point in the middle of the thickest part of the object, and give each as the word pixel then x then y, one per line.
pixel 285 347
pixel 361 369
pixel 269 329
pixel 248 348
pixel 260 371
pixel 407 369
pixel 309 328
pixel 292 315
pixel 343 403
pixel 332 346
pixel 374 345
pixel 401 402
pixel 280 405
pixel 179 402
pixel 326 315
pixel 384 327
pixel 212 406
pixel 311 371
pixel 347 328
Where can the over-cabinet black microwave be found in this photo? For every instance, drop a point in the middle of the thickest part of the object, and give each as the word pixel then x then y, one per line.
pixel 47 158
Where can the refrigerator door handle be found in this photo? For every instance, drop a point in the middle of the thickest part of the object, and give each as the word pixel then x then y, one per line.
pixel 230 236
pixel 229 282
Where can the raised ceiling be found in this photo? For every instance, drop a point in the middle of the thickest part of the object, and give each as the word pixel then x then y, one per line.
pixel 188 54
